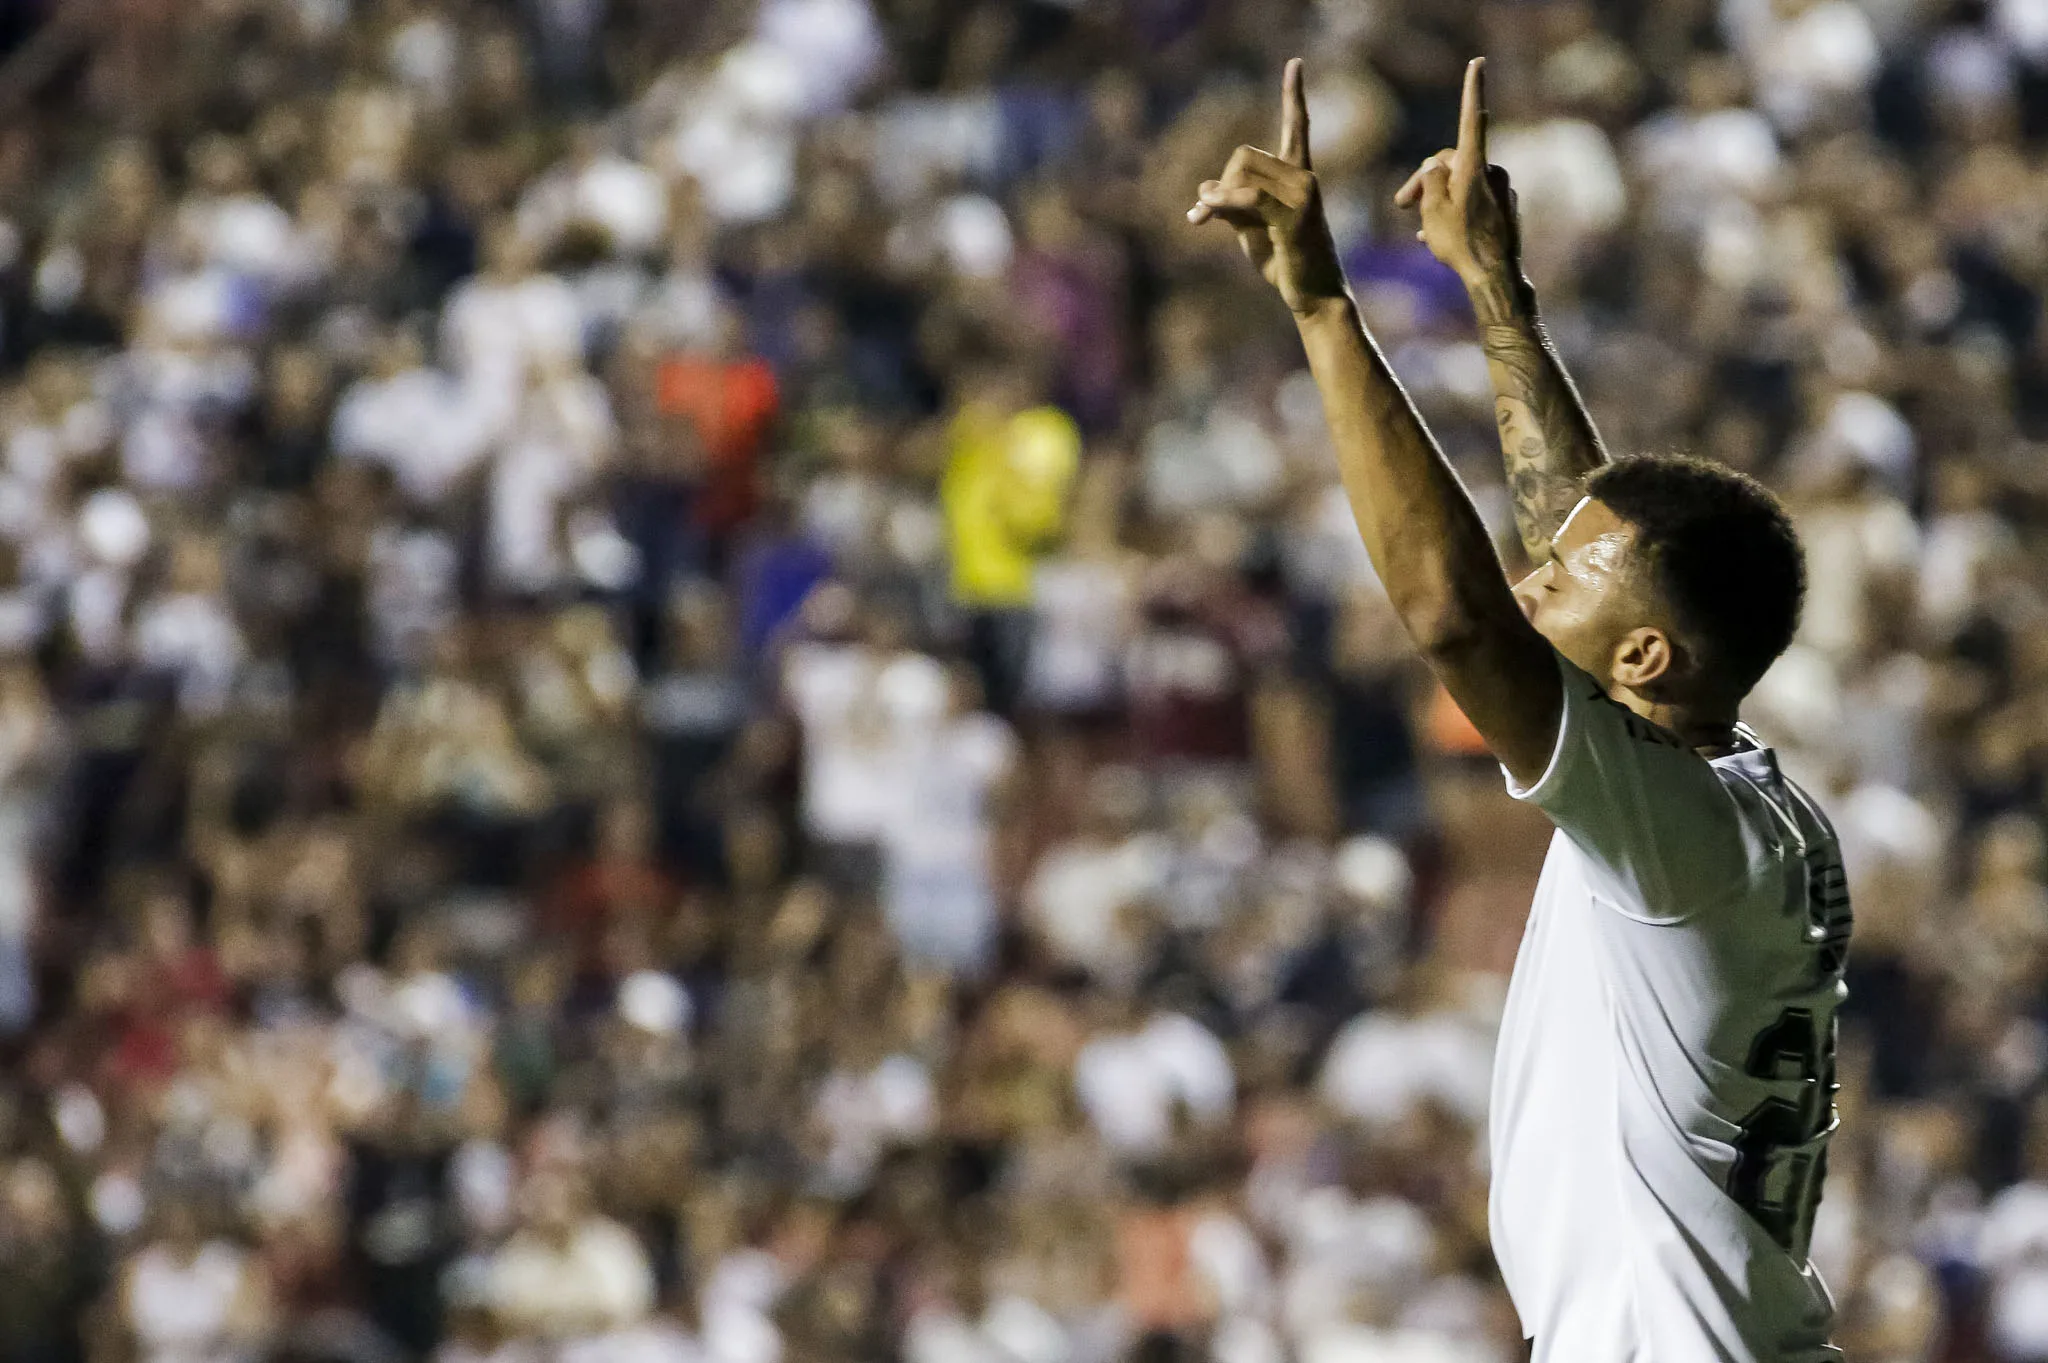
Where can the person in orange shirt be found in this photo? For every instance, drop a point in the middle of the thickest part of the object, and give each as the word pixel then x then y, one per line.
pixel 1156 1283
pixel 732 400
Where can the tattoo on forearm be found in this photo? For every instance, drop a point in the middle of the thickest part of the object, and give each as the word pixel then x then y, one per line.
pixel 1502 297
pixel 1548 438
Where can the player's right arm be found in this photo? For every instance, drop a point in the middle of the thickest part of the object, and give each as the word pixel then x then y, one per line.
pixel 1545 432
pixel 1424 535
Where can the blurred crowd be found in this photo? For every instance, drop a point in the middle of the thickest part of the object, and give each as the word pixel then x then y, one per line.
pixel 681 682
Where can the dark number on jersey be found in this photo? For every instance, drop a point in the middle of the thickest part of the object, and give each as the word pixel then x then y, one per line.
pixel 1780 1189
pixel 1828 918
pixel 1783 1191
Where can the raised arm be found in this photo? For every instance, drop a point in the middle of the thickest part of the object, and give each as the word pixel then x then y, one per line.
pixel 1425 537
pixel 1469 223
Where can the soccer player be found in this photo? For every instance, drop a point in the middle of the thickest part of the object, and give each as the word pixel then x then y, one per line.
pixel 1663 1094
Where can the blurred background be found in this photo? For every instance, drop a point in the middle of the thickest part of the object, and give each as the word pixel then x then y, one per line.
pixel 682 682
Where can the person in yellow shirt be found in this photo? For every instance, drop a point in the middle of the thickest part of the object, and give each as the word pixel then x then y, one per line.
pixel 1009 469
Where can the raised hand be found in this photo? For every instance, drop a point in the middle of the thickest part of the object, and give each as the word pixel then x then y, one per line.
pixel 1468 208
pixel 1275 206
pixel 1469 223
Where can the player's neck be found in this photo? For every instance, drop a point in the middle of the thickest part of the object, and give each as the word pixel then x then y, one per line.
pixel 1708 730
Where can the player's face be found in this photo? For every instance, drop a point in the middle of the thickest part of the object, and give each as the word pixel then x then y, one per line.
pixel 1579 597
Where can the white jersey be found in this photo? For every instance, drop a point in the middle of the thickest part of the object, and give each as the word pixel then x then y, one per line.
pixel 1663 1093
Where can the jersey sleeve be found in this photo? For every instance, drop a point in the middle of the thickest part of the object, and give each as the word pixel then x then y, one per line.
pixel 1650 814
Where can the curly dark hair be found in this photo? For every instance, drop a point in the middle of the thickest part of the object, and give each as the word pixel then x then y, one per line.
pixel 1721 552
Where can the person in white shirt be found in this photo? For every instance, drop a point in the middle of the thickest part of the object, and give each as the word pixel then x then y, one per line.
pixel 510 318
pixel 187 1297
pixel 864 703
pixel 187 631
pixel 244 231
pixel 873 1100
pixel 2012 1250
pixel 1663 1090
pixel 1387 1063
pixel 938 887
pixel 569 1273
pixel 431 429
pixel 1085 887
pixel 1140 1076
pixel 1806 58
pixel 561 441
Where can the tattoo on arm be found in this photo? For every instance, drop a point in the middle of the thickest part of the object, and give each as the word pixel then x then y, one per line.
pixel 1545 432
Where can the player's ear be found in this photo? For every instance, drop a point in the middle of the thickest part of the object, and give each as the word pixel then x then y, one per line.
pixel 1645 656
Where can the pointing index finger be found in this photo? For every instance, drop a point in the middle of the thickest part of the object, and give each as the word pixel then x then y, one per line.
pixel 1472 112
pixel 1294 116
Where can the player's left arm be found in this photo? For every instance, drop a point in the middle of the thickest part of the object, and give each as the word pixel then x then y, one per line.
pixel 1424 535
pixel 1471 223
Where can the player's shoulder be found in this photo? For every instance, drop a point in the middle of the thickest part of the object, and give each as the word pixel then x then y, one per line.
pixel 1754 767
pixel 1613 765
pixel 1781 821
pixel 1810 810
